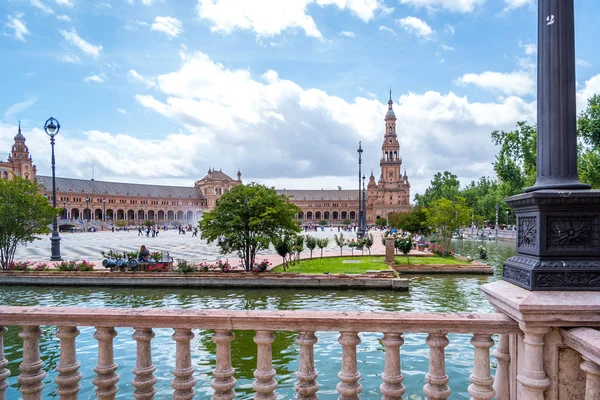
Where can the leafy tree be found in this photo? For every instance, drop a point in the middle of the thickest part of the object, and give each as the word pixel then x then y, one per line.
pixel 247 219
pixel 323 222
pixel 339 241
pixel 322 243
pixel 405 246
pixel 311 244
pixel 283 247
pixel 298 246
pixel 24 214
pixel 368 242
pixel 588 129
pixel 414 221
pixel 515 163
pixel 443 186
pixel 381 222
pixel 148 223
pixel 352 244
pixel 121 223
pixel 446 216
pixel 346 222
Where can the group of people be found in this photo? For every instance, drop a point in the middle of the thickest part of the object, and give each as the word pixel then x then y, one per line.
pixel 154 230
pixel 188 228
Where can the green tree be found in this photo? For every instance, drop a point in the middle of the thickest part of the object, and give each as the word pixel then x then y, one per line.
pixel 352 244
pixel 443 186
pixel 446 216
pixel 368 242
pixel 515 163
pixel 283 247
pixel 323 222
pixel 298 246
pixel 414 221
pixel 148 223
pixel 405 246
pixel 247 219
pixel 340 242
pixel 322 243
pixel 24 214
pixel 311 244
pixel 381 222
pixel 588 129
pixel 121 223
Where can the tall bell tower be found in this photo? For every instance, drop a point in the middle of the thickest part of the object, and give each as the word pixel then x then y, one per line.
pixel 391 162
pixel 19 157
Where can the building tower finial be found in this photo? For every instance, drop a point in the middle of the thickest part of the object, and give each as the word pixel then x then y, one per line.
pixel 19 126
pixel 390 93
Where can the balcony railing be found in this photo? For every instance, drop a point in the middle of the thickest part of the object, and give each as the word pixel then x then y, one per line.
pixel 392 324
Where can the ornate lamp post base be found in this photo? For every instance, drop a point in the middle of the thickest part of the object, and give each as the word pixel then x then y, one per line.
pixel 558 241
pixel 55 247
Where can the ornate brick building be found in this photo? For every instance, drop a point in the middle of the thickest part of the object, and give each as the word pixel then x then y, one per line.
pixel 113 201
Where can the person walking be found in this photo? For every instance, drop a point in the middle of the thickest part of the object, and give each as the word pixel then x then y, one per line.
pixel 139 231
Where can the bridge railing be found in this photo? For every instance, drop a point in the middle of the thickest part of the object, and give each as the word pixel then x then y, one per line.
pixel 305 323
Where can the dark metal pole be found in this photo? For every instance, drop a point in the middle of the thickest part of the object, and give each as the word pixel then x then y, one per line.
pixel 556 107
pixel 364 207
pixel 361 229
pixel 55 238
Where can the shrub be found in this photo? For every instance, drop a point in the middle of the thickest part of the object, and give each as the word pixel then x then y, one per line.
pixel 158 268
pixel 261 266
pixel 156 256
pixel 186 267
pixel 482 252
pixel 204 267
pixel 73 266
pixel 19 266
pixel 41 267
pixel 223 266
pixel 441 250
pixel 311 244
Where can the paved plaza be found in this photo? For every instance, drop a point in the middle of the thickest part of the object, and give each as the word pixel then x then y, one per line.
pixel 88 245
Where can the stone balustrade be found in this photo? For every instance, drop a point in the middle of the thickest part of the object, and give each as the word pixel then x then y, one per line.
pixel 349 324
pixel 586 342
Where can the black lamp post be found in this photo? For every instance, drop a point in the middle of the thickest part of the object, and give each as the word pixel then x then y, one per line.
pixel 361 228
pixel 87 207
pixel 52 127
pixel 104 211
pixel 64 209
pixel 364 207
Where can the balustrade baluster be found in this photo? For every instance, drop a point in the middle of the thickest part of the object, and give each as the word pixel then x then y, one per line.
pixel 68 368
pixel 184 382
pixel 481 378
pixel 224 382
pixel 32 375
pixel 106 379
pixel 264 385
pixel 306 386
pixel 532 374
pixel 502 377
pixel 592 379
pixel 392 387
pixel 349 388
pixel 4 372
pixel 436 387
pixel 144 369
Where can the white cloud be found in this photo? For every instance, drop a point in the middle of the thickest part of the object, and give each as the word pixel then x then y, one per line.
pixel 387 29
pixel 449 29
pixel 460 6
pixel 68 3
pixel 518 83
pixel 64 17
pixel 136 77
pixel 530 49
pixel 169 25
pixel 446 47
pixel 19 107
pixel 70 58
pixel 348 34
pixel 270 17
pixel 122 111
pixel 95 79
pixel 18 25
pixel 74 39
pixel 42 7
pixel 416 27
pixel 514 4
pixel 583 63
pixel 591 87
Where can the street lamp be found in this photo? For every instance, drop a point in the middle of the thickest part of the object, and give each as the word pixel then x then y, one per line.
pixel 64 209
pixel 52 127
pixel 104 211
pixel 361 229
pixel 87 207
pixel 364 207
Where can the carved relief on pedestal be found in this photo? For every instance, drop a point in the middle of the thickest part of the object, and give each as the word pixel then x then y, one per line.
pixel 515 274
pixel 573 233
pixel 527 237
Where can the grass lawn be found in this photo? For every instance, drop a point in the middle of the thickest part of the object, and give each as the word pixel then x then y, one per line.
pixel 334 265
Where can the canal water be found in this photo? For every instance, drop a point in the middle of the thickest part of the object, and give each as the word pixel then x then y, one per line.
pixel 436 293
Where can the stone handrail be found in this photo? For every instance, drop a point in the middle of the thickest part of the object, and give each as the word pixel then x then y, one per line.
pixel 223 322
pixel 586 341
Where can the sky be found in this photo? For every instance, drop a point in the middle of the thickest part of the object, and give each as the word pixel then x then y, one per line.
pixel 159 91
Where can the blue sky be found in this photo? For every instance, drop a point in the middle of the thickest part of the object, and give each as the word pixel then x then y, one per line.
pixel 159 90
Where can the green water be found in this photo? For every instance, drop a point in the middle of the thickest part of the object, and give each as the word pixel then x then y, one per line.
pixel 427 294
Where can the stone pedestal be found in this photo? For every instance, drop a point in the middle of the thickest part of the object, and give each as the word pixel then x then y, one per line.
pixel 558 240
pixel 542 367
pixel 390 250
